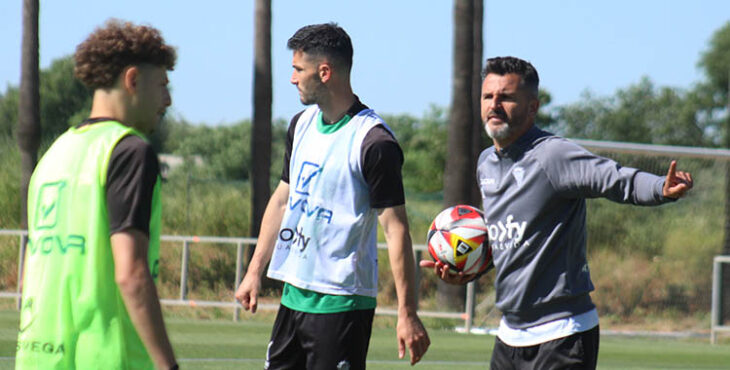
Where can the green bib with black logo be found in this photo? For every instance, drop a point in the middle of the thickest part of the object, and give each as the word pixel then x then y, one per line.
pixel 73 316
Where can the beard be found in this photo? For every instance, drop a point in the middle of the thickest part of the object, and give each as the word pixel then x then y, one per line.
pixel 500 133
pixel 308 99
pixel 313 96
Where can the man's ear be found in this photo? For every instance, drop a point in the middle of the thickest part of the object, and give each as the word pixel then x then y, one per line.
pixel 129 78
pixel 324 70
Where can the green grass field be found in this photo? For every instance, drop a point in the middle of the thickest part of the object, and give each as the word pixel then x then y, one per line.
pixel 218 344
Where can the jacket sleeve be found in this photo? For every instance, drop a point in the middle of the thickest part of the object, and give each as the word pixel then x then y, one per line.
pixel 577 173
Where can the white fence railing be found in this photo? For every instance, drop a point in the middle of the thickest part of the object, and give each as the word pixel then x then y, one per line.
pixel 242 253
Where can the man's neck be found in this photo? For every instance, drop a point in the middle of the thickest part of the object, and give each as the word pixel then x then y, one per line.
pixel 502 144
pixel 337 105
pixel 108 104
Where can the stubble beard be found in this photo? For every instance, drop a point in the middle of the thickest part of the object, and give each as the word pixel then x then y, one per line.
pixel 314 96
pixel 308 99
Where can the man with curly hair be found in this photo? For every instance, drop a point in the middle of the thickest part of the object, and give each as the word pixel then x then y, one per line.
pixel 89 297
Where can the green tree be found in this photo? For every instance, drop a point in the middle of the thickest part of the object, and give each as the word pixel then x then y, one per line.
pixel 9 111
pixel 422 141
pixel 641 113
pixel 224 150
pixel 545 119
pixel 716 64
pixel 64 101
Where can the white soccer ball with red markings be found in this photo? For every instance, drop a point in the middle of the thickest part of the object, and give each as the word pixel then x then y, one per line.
pixel 458 237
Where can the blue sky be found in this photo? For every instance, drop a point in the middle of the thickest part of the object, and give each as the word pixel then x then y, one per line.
pixel 402 61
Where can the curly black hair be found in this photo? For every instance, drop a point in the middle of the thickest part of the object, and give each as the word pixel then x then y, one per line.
pixel 116 45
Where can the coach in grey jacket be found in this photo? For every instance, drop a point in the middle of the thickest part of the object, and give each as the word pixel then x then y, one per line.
pixel 534 185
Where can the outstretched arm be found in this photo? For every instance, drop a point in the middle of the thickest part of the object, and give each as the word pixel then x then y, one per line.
pixel 677 182
pixel 247 293
pixel 410 331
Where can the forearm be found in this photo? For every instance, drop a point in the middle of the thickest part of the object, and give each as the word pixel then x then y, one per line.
pixel 143 305
pixel 409 329
pixel 264 246
pixel 270 223
pixel 402 266
pixel 400 254
pixel 132 274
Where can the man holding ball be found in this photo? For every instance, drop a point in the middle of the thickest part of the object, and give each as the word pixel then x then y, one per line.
pixel 538 182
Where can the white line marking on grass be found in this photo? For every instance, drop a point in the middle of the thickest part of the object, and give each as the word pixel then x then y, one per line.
pixel 379 362
pixel 405 362
pixel 261 360
pixel 221 360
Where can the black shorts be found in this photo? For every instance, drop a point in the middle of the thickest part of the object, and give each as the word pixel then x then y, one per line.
pixel 329 341
pixel 577 351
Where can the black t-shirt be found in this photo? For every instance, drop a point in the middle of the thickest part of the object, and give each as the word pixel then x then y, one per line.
pixel 130 183
pixel 381 156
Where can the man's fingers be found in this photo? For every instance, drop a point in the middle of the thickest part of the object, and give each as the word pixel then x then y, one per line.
pixel 677 182
pixel 685 177
pixel 401 348
pixel 426 263
pixel 414 357
pixel 416 353
pixel 253 303
pixel 248 300
pixel 418 348
pixel 672 170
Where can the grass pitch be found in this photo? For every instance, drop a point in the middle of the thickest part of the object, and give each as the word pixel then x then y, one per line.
pixel 220 344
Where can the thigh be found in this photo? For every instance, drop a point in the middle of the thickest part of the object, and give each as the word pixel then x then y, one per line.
pixel 577 351
pixel 284 350
pixel 502 356
pixel 337 340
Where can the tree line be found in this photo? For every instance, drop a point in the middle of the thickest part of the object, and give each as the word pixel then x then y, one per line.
pixel 642 112
pixel 440 147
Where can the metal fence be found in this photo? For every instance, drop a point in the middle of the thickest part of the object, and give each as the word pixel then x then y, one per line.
pixel 705 204
pixel 243 246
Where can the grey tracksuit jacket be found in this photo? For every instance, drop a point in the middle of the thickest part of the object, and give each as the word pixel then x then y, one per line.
pixel 533 195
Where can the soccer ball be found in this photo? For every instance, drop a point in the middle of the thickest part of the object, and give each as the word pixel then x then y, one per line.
pixel 458 237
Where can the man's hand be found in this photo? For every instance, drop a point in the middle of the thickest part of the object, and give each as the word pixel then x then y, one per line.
pixel 442 271
pixel 412 335
pixel 248 292
pixel 677 182
pixel 410 331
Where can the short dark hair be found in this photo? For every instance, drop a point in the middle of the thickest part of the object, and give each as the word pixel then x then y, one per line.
pixel 327 39
pixel 506 65
pixel 109 49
